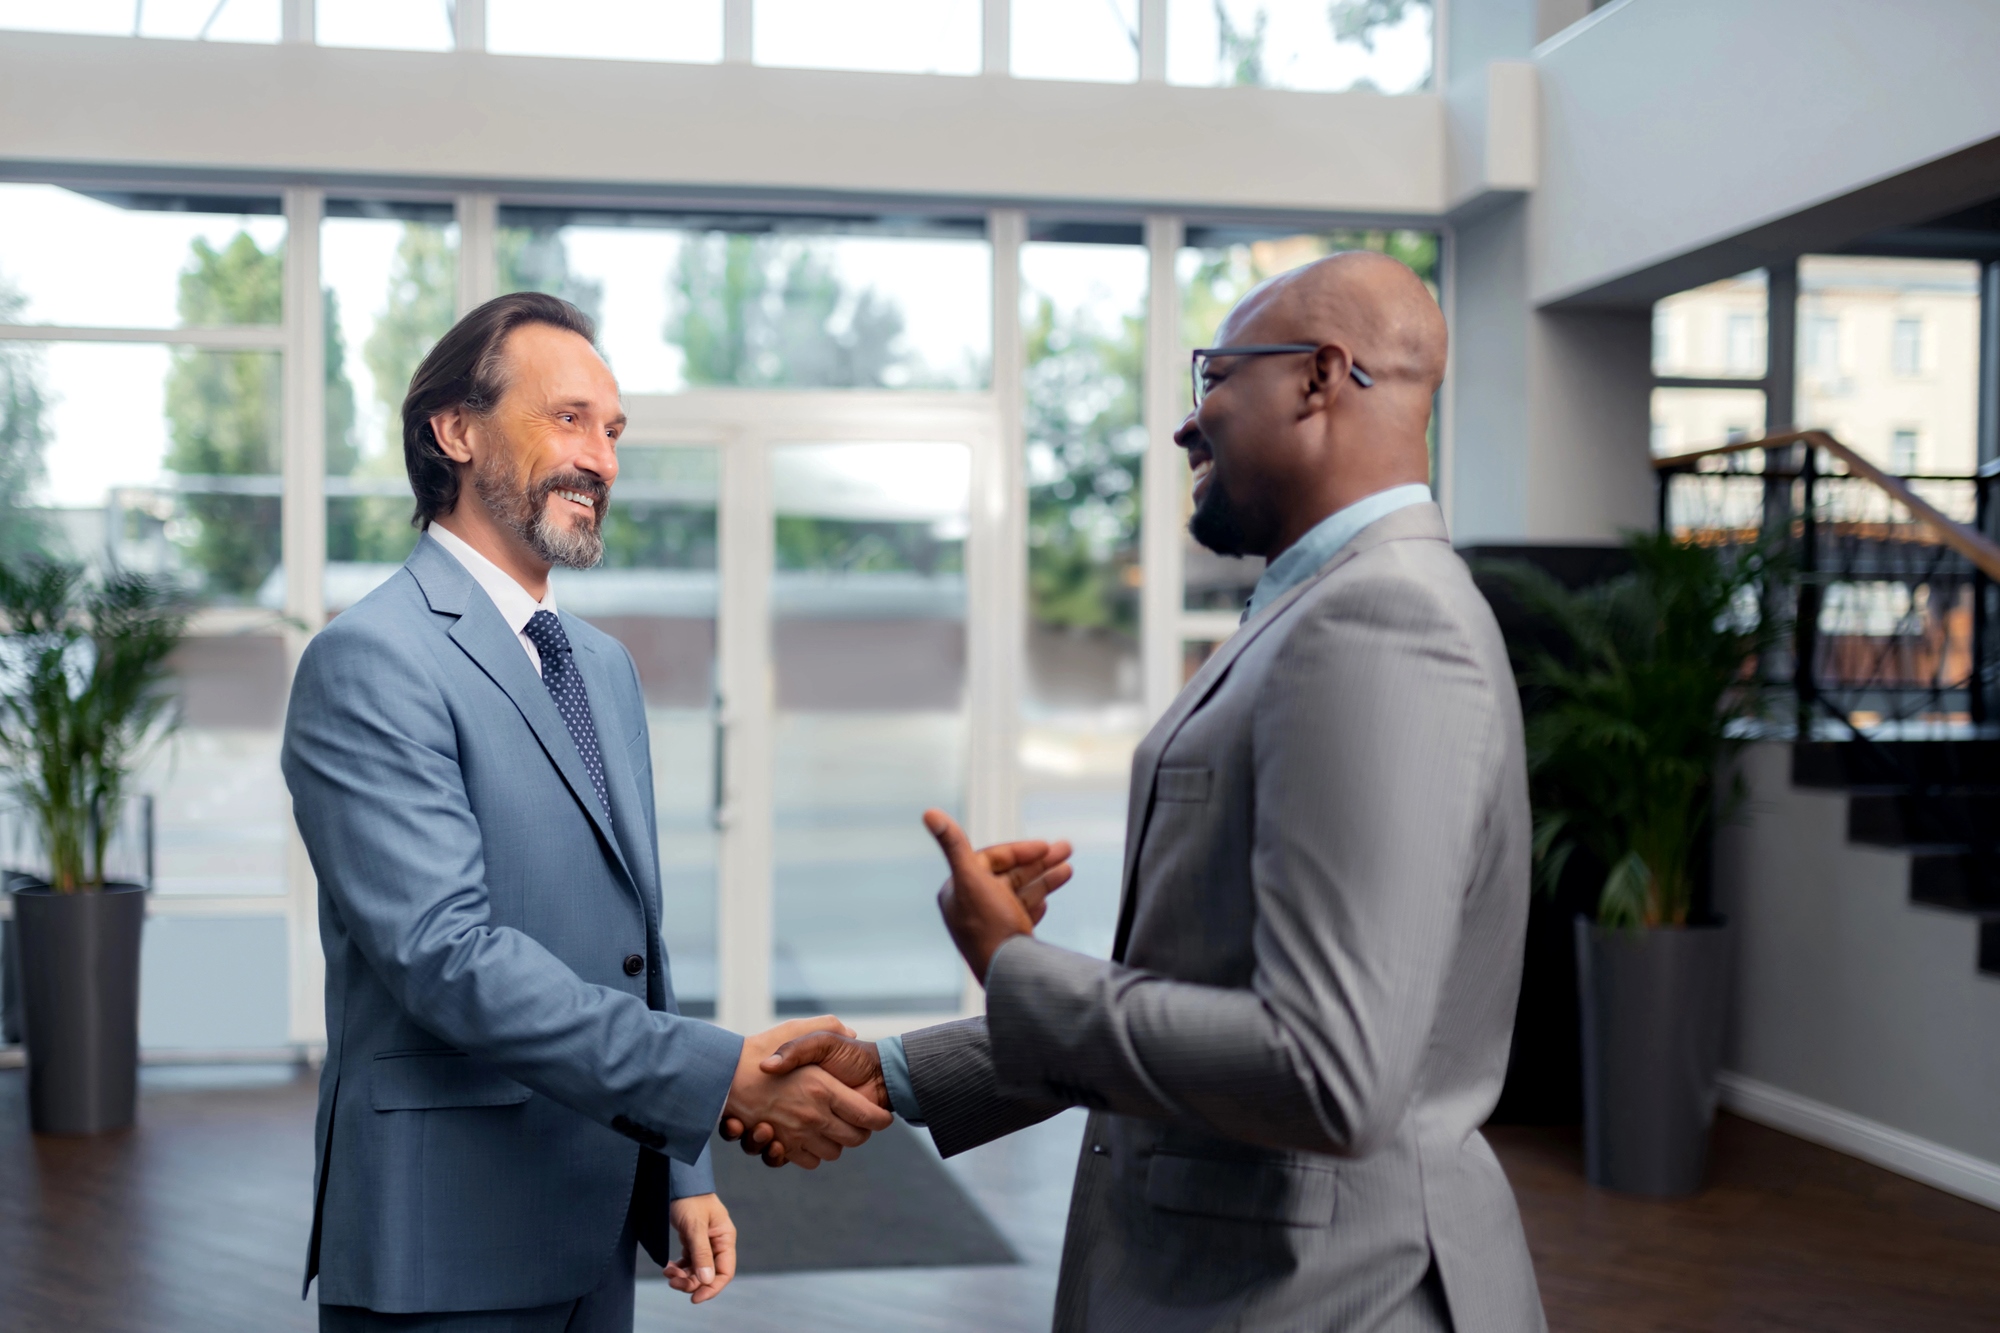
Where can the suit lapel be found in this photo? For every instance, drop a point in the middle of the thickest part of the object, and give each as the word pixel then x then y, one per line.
pixel 1422 520
pixel 484 637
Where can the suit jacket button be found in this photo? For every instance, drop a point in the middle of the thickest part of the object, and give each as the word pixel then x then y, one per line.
pixel 634 964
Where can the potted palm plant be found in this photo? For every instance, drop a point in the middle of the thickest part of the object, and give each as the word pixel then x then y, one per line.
pixel 83 699
pixel 1634 707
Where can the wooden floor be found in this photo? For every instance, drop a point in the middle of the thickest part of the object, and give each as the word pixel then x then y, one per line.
pixel 197 1220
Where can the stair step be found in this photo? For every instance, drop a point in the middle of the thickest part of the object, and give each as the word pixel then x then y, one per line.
pixel 1959 883
pixel 1895 766
pixel 1946 821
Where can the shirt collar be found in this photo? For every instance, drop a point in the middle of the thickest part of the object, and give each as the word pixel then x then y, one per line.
pixel 513 601
pixel 1324 541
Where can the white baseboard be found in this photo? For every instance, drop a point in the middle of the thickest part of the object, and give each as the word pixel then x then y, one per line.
pixel 1934 1164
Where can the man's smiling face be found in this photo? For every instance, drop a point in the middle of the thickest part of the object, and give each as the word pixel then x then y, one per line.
pixel 556 427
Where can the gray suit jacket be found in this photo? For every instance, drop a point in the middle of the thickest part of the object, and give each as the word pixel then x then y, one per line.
pixel 1317 962
pixel 491 1068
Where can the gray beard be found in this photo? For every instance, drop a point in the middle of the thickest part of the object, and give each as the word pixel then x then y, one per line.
pixel 525 509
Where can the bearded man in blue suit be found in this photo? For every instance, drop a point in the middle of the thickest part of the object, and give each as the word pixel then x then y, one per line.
pixel 511 1100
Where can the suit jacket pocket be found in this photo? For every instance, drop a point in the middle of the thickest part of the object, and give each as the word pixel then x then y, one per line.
pixel 1178 783
pixel 429 1080
pixel 1245 1190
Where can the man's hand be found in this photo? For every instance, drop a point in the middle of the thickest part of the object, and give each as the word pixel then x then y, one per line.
pixel 812 1112
pixel 995 894
pixel 708 1247
pixel 856 1063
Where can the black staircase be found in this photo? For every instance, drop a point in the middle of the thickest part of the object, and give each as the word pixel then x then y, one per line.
pixel 1890 687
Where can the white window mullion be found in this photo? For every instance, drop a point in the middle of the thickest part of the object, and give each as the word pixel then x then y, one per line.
pixel 478 251
pixel 1166 389
pixel 743 916
pixel 303 543
pixel 468 23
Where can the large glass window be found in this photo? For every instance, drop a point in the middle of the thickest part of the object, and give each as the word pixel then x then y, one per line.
pixel 121 258
pixel 868 640
pixel 403 25
pixel 684 30
pixel 1889 358
pixel 1717 331
pixel 205 20
pixel 391 286
pixel 892 36
pixel 1083 315
pixel 1095 40
pixel 1217 269
pixel 687 303
pixel 1688 419
pixel 1313 45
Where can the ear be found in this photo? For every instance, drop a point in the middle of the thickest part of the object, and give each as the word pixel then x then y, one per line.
pixel 453 428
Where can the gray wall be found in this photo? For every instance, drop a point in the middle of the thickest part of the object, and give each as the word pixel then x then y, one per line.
pixel 1845 993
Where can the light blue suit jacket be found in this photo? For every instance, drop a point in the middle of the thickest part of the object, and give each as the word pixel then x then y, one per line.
pixel 491 1069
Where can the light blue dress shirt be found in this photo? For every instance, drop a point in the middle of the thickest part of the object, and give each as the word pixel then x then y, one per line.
pixel 1324 541
pixel 1300 562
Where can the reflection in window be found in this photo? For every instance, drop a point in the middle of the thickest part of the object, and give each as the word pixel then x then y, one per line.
pixel 201 20
pixel 402 25
pixel 1091 40
pixel 391 275
pixel 1906 359
pixel 685 307
pixel 1715 331
pixel 891 36
pixel 1314 45
pixel 683 30
pixel 1217 269
pixel 118 258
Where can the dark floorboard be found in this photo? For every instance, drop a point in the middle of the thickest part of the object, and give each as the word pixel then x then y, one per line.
pixel 197 1219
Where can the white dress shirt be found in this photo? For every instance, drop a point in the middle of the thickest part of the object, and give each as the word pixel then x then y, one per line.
pixel 512 600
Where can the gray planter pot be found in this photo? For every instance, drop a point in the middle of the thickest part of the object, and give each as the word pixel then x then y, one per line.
pixel 79 956
pixel 1654 1004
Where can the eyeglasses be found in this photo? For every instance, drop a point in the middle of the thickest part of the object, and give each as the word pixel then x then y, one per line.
pixel 1198 363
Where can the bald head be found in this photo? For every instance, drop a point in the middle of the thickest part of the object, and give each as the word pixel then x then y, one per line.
pixel 1332 405
pixel 1373 304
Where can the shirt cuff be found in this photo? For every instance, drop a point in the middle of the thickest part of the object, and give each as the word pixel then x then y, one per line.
pixel 896 1073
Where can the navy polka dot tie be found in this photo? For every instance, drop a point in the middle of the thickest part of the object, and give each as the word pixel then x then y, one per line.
pixel 565 684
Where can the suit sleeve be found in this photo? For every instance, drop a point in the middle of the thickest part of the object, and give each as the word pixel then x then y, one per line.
pixel 1374 741
pixel 958 1093
pixel 370 756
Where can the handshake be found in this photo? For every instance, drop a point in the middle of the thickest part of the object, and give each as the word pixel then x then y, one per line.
pixel 807 1089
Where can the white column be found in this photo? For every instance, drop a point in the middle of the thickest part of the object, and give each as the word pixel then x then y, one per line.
pixel 297 22
pixel 999 38
pixel 743 932
pixel 1152 41
pixel 303 543
pixel 478 257
pixel 736 32
pixel 468 22
pixel 1164 474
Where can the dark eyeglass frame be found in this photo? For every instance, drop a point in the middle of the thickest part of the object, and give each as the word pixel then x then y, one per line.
pixel 1200 354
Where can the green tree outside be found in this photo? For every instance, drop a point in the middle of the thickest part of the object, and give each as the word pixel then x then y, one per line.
pixel 223 414
pixel 23 436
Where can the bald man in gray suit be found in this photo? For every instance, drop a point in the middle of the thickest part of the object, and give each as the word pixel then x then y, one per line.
pixel 1307 1011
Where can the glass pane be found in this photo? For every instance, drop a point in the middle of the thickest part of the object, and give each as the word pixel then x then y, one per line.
pixel 1217 269
pixel 228 21
pixel 679 307
pixel 1889 359
pixel 656 594
pixel 137 261
pixel 214 984
pixel 868 640
pixel 1686 420
pixel 1712 332
pixel 403 25
pixel 1084 314
pixel 391 293
pixel 1097 40
pixel 687 30
pixel 1316 45
pixel 896 36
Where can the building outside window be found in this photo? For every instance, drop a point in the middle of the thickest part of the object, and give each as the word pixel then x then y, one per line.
pixel 1907 351
pixel 1822 348
pixel 1744 345
pixel 1903 452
